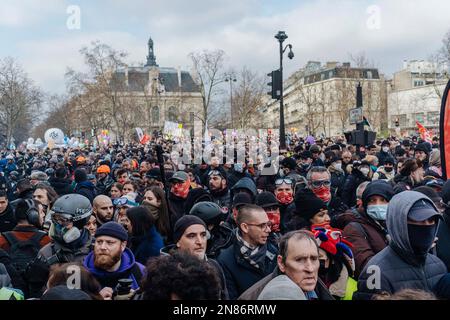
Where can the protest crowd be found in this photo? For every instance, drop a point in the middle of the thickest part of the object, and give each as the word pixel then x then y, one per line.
pixel 333 222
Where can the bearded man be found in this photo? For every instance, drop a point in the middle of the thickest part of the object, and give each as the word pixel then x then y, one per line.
pixel 111 260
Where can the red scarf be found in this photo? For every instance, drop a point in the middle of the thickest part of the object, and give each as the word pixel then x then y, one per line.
pixel 181 189
pixel 323 193
pixel 284 197
pixel 274 217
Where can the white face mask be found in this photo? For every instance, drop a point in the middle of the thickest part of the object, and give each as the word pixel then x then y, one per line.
pixel 364 171
pixel 385 149
pixel 338 166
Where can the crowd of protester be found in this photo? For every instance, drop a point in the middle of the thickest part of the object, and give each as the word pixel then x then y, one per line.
pixel 334 222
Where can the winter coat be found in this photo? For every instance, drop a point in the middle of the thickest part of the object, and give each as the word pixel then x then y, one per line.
pixel 26 194
pixel 146 246
pixel 222 199
pixel 239 273
pixel 338 178
pixel 442 246
pixel 7 219
pixel 176 209
pixel 351 184
pixel 87 189
pixel 402 183
pixel 61 186
pixel 129 269
pixel 255 290
pixel 368 238
pixel 221 238
pixel 397 266
pixel 104 186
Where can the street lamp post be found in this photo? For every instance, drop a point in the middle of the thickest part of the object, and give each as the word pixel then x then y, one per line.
pixel 231 78
pixel 281 36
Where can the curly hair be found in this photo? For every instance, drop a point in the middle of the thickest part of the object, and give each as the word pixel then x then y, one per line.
pixel 181 275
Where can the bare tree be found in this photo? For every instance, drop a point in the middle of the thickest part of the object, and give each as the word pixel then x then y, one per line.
pixel 19 98
pixel 207 72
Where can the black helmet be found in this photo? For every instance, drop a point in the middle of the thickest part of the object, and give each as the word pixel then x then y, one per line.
pixel 76 207
pixel 208 211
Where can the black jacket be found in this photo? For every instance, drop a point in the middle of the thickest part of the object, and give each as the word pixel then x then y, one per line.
pixel 442 247
pixel 176 209
pixel 104 186
pixel 61 186
pixel 87 189
pixel 351 184
pixel 7 220
pixel 239 273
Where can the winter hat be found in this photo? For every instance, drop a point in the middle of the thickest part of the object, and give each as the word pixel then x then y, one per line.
pixel 241 198
pixel 377 188
pixel 266 200
pixel 154 173
pixel 435 158
pixel 314 148
pixel 183 223
pixel 208 211
pixel 307 204
pixel 422 147
pixel 61 173
pixel 306 155
pixel 112 229
pixel 39 175
pixel 385 143
pixel 103 169
pixel 389 159
pixel 429 192
pixel 80 175
pixel 63 292
pixel 289 163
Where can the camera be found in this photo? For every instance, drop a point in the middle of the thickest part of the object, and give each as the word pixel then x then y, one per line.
pixel 123 287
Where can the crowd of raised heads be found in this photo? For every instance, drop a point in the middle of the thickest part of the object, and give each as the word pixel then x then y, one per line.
pixel 127 222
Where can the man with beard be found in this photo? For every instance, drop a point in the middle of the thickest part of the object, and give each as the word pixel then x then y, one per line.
pixel 218 187
pixel 111 260
pixel 103 209
pixel 178 194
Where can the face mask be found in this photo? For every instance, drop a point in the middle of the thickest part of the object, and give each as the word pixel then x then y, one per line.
pixel 421 237
pixel 338 166
pixel 274 217
pixel 60 233
pixel 388 169
pixel 323 193
pixel 305 166
pixel 181 189
pixel 385 149
pixel 377 212
pixel 284 197
pixel 364 171
pixel 238 167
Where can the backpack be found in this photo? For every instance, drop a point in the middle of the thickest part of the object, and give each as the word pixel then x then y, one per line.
pixel 22 253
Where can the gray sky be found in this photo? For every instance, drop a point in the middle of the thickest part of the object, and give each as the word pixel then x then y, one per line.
pixel 388 31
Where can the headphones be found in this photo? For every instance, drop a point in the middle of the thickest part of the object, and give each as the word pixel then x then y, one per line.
pixel 32 213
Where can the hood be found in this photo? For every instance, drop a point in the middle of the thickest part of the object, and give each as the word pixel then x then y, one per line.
pixel 86 184
pixel 245 183
pixel 397 218
pixel 127 262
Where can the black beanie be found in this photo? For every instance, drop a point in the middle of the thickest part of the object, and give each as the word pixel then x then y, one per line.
pixel 22 207
pixel 423 147
pixel 289 163
pixel 377 188
pixel 307 204
pixel 112 229
pixel 183 223
pixel 80 175
pixel 266 199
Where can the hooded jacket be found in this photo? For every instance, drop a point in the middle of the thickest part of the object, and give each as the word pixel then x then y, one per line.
pixel 87 189
pixel 104 186
pixel 244 183
pixel 397 266
pixel 125 271
pixel 147 246
pixel 442 247
pixel 61 186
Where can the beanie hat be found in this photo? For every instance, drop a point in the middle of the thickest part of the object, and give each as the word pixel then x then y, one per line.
pixel 266 199
pixel 183 223
pixel 241 198
pixel 208 211
pixel 154 173
pixel 80 175
pixel 306 154
pixel 112 229
pixel 385 143
pixel 377 188
pixel 422 147
pixel 103 169
pixel 289 163
pixel 61 173
pixel 314 148
pixel 307 204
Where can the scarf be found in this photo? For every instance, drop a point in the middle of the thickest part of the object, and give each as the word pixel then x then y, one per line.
pixel 256 256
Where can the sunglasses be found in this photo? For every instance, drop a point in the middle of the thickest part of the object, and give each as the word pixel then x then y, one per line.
pixel 320 183
pixel 281 181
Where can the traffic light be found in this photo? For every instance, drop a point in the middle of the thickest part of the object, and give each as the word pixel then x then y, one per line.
pixel 275 84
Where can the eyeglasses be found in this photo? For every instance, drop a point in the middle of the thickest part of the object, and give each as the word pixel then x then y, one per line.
pixel 281 181
pixel 320 183
pixel 262 226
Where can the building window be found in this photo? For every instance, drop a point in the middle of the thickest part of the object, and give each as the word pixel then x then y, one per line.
pixel 419 117
pixel 172 114
pixel 418 83
pixel 330 74
pixel 155 114
pixel 402 120
pixel 369 75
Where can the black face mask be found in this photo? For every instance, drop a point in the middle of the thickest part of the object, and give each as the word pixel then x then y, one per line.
pixel 421 237
pixel 388 169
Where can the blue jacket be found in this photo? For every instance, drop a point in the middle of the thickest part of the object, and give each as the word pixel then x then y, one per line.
pixel 127 270
pixel 147 246
pixel 239 273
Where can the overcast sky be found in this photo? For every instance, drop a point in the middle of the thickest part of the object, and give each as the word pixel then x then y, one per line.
pixel 388 31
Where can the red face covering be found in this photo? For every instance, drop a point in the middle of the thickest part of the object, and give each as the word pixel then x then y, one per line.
pixel 323 193
pixel 181 189
pixel 284 197
pixel 274 217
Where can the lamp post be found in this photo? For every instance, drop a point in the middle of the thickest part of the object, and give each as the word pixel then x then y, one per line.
pixel 281 36
pixel 231 78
